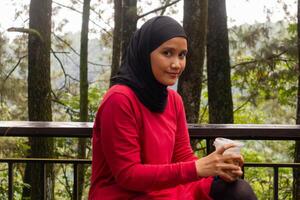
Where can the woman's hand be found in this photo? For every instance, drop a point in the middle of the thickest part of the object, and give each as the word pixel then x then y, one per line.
pixel 227 166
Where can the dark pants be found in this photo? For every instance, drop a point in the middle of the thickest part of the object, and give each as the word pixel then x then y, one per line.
pixel 237 190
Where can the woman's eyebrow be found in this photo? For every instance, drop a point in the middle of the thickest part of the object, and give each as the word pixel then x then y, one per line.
pixel 173 48
pixel 184 50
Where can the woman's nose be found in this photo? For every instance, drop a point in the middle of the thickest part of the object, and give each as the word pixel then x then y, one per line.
pixel 175 65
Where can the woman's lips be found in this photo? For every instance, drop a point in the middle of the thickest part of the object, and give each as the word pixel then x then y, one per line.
pixel 173 75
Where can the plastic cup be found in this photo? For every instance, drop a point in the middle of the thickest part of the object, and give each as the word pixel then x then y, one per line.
pixel 219 142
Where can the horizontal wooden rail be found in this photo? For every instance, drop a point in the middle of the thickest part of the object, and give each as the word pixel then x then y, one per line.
pixel 246 131
pixel 45 160
pixel 207 131
pixel 45 129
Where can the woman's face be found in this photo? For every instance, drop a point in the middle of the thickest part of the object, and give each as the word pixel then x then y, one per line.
pixel 168 60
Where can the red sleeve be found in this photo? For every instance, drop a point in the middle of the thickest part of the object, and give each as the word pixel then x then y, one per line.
pixel 182 150
pixel 120 140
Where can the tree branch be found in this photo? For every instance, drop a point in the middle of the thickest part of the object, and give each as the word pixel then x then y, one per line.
pixel 66 43
pixel 69 7
pixel 98 14
pixel 73 9
pixel 244 63
pixel 157 9
pixel 272 57
pixel 26 30
pixel 11 71
pixel 203 113
pixel 241 106
pixel 14 68
pixel 68 108
pixel 66 185
pixel 63 69
pixel 164 10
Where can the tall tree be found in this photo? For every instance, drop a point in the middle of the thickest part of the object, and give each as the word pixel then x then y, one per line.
pixel 129 22
pixel 189 85
pixel 84 85
pixel 84 62
pixel 39 94
pixel 218 65
pixel 117 38
pixel 296 188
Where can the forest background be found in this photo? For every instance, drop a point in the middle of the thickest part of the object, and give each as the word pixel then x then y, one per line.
pixel 258 58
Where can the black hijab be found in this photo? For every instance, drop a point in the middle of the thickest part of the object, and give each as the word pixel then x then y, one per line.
pixel 135 70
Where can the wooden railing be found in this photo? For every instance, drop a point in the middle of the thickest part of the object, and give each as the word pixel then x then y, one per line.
pixel 79 129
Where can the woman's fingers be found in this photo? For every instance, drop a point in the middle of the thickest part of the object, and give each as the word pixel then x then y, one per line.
pixel 229 172
pixel 233 156
pixel 233 159
pixel 237 173
pixel 242 158
pixel 230 175
pixel 227 166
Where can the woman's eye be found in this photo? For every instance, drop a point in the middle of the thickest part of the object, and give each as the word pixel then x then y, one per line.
pixel 167 53
pixel 182 55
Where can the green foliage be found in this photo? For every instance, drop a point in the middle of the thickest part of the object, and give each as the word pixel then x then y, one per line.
pixel 18 183
pixel 265 64
pixel 264 79
pixel 261 180
pixel 71 102
pixel 68 148
pixel 12 79
pixel 264 86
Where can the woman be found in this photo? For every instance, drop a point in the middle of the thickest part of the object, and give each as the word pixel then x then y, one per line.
pixel 141 146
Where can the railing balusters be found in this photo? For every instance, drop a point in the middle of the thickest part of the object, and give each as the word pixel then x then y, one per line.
pixel 75 186
pixel 243 170
pixel 275 183
pixel 44 180
pixel 43 163
pixel 10 181
pixel 207 146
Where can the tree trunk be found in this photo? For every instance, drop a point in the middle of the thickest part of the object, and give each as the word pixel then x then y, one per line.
pixel 190 82
pixel 296 172
pixel 83 91
pixel 39 96
pixel 129 21
pixel 117 38
pixel 218 66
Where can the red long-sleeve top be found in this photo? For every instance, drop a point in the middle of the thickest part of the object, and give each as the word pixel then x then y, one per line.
pixel 139 154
